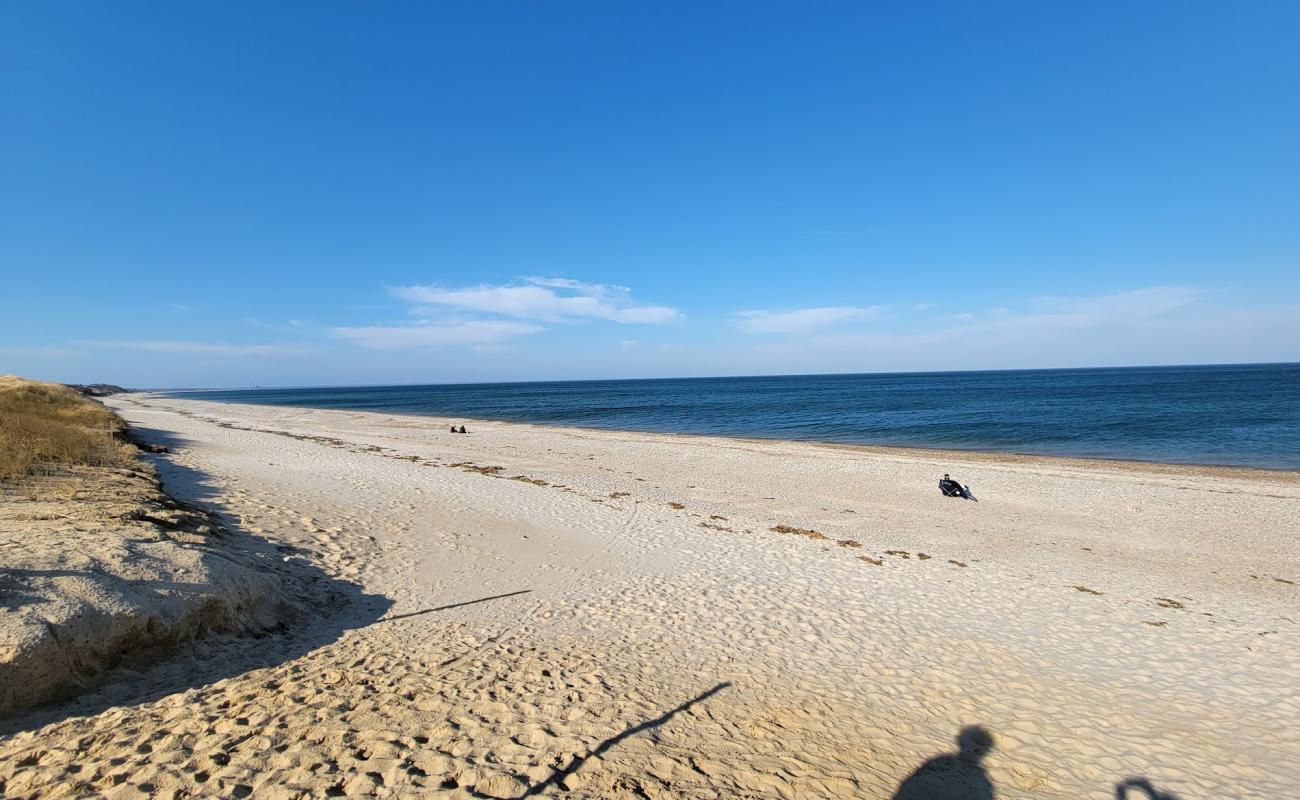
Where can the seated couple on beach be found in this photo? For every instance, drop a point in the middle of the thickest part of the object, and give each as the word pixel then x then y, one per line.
pixel 952 488
pixel 460 430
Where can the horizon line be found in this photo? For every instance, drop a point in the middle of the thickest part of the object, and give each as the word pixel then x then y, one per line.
pixel 696 377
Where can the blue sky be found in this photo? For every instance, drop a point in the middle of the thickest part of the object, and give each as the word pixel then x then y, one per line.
pixel 214 194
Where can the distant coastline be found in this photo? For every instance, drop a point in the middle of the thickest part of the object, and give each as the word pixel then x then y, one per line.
pixel 1236 416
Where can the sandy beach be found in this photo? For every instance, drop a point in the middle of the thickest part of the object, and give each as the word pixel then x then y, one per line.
pixel 542 611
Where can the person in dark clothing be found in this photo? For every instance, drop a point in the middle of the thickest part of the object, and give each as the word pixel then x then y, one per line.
pixel 462 429
pixel 453 429
pixel 952 488
pixel 953 776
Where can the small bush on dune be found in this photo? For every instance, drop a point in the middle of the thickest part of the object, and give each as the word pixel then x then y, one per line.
pixel 43 425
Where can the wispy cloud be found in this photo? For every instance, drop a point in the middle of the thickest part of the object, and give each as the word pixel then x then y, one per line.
pixel 1057 313
pixel 486 317
pixel 482 332
pixel 1040 313
pixel 1148 302
pixel 277 326
pixel 38 351
pixel 803 320
pixel 543 299
pixel 198 348
pixel 1159 324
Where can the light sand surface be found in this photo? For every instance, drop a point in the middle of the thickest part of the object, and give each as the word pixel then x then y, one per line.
pixel 604 614
pixel 98 566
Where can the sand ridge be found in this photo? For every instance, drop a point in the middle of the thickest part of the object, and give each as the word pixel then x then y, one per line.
pixel 100 567
pixel 608 614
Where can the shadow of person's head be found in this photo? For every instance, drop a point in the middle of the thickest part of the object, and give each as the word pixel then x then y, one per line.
pixel 973 743
pixel 953 776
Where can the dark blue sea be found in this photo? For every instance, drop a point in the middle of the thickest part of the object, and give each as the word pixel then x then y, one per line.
pixel 1238 415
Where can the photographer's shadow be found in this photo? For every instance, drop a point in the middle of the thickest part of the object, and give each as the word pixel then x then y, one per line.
pixel 953 776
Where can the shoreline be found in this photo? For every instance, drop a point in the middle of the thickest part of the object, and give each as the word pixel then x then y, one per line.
pixel 1281 474
pixel 546 611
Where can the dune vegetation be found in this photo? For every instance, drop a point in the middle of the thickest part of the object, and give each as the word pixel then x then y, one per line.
pixel 44 426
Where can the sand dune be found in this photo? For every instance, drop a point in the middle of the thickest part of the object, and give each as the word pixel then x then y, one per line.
pixel 99 568
pixel 599 614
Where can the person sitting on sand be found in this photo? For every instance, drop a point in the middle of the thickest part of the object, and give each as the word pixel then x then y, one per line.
pixel 462 429
pixel 952 488
pixel 453 429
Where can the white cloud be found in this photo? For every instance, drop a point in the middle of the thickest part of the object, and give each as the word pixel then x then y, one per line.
pixel 482 332
pixel 1042 313
pixel 1057 313
pixel 1146 302
pixel 1153 325
pixel 472 316
pixel 802 320
pixel 544 299
pixel 200 348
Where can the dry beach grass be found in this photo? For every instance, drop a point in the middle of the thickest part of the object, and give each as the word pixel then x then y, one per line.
pixel 45 425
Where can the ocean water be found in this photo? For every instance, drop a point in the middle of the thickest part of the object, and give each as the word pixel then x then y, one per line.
pixel 1239 415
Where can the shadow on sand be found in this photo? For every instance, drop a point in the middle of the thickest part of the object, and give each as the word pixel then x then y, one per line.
pixel 327 608
pixel 962 776
pixel 558 775
pixel 422 611
pixel 1142 788
pixel 953 776
pixel 139 435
